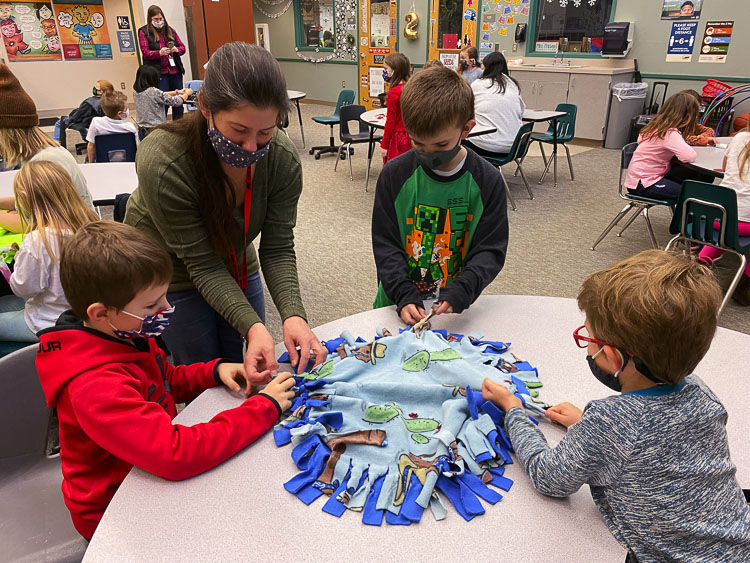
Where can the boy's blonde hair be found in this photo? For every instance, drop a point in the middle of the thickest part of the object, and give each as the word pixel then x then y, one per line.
pixel 110 263
pixel 435 99
pixel 659 306
pixel 19 144
pixel 113 103
pixel 47 199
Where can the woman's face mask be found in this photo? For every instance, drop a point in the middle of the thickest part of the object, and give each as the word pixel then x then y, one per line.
pixel 232 153
pixel 158 24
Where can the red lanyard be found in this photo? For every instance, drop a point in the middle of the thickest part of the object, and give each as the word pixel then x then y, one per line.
pixel 242 279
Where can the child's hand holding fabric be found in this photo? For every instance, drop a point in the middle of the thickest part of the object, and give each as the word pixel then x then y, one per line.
pixel 499 395
pixel 564 413
pixel 280 389
pixel 231 375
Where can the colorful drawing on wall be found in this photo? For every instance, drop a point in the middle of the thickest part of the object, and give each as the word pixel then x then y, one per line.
pixel 29 31
pixel 83 30
pixel 681 9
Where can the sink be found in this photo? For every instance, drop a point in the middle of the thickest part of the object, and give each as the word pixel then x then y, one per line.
pixel 563 66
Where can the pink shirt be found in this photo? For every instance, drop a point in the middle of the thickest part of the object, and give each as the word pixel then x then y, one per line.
pixel 651 159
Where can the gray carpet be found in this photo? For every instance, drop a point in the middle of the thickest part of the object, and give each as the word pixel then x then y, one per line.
pixel 550 236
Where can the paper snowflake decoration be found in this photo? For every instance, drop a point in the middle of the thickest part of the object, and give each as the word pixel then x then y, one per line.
pixel 563 3
pixel 577 3
pixel 592 2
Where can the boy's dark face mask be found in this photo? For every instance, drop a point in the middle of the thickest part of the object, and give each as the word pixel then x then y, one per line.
pixel 612 380
pixel 439 159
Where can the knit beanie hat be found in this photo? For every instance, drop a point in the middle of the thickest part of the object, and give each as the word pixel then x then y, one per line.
pixel 17 109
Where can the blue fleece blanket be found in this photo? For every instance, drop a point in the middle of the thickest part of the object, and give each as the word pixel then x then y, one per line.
pixel 380 427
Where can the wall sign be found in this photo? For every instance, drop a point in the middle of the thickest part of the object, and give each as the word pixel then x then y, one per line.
pixel 83 30
pixel 681 10
pixel 715 44
pixel 681 42
pixel 547 46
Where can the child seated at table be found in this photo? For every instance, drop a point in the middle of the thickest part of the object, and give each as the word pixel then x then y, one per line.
pixel 736 176
pixel 699 135
pixel 661 140
pixel 150 102
pixel 113 388
pixel 51 211
pixel 440 221
pixel 656 457
pixel 115 120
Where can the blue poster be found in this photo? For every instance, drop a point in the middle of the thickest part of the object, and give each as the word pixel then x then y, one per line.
pixel 126 42
pixel 681 42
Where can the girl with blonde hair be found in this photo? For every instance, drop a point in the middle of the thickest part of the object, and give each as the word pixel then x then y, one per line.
pixel 50 210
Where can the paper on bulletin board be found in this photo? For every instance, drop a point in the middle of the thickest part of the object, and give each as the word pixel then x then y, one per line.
pixel 29 31
pixel 83 30
pixel 681 42
pixel 377 84
pixel 715 44
pixel 449 60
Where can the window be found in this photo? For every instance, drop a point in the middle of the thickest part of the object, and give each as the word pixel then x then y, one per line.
pixel 450 16
pixel 314 25
pixel 573 26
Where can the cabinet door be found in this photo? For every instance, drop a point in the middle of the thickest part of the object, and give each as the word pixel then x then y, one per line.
pixel 590 92
pixel 552 89
pixel 528 83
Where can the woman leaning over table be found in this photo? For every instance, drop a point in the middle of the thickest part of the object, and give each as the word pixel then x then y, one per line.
pixel 208 185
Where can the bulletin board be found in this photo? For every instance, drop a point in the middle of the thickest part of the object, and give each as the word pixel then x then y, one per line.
pixel 83 30
pixel 453 26
pixel 29 31
pixel 498 25
pixel 378 38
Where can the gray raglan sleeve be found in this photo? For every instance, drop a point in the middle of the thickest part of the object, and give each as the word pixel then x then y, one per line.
pixel 593 451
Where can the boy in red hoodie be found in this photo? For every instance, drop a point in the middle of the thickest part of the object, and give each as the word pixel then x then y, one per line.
pixel 114 390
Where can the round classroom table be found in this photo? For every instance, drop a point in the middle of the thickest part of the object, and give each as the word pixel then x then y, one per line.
pixel 239 511
pixel 710 160
pixel 296 96
pixel 104 179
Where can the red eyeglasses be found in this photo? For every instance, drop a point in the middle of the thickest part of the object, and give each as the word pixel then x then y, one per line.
pixel 582 340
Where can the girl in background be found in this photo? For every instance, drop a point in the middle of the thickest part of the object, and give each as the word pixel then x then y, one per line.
pixel 51 210
pixel 468 63
pixel 396 71
pixel 737 177
pixel 150 102
pixel 660 141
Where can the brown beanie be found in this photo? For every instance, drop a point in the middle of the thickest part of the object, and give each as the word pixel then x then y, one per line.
pixel 17 109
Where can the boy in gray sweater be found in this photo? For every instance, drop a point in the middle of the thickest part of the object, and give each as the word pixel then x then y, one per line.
pixel 656 457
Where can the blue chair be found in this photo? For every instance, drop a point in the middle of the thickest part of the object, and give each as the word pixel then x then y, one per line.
pixel 348 138
pixel 566 129
pixel 194 85
pixel 346 97
pixel 707 214
pixel 115 147
pixel 35 524
pixel 517 154
pixel 636 203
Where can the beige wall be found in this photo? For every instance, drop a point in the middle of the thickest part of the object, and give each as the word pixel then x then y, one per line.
pixel 58 86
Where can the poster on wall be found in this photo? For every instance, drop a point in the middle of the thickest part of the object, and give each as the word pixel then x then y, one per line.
pixel 681 9
pixel 83 30
pixel 449 60
pixel 681 42
pixel 29 31
pixel 715 44
pixel 377 84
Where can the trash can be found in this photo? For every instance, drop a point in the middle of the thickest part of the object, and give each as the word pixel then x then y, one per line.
pixel 627 102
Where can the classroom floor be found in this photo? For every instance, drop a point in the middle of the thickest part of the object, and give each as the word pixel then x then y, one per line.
pixel 550 236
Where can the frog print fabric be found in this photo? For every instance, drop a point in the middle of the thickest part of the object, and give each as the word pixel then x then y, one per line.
pixel 392 427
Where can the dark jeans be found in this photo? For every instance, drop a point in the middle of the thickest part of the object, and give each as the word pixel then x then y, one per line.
pixel 662 189
pixel 679 173
pixel 197 333
pixel 168 82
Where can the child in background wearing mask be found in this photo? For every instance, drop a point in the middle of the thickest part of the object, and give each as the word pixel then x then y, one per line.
pixel 115 120
pixel 80 118
pixel 113 388
pixel 468 63
pixel 656 456
pixel 440 218
pixel 396 71
pixel 51 211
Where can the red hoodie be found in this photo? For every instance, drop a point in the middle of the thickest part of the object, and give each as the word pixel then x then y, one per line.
pixel 115 403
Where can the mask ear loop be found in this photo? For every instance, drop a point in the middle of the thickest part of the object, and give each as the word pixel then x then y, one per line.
pixel 624 357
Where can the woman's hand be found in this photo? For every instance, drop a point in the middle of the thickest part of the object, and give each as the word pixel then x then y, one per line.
pixel 564 413
pixel 499 395
pixel 260 361
pixel 175 50
pixel 164 51
pixel 298 333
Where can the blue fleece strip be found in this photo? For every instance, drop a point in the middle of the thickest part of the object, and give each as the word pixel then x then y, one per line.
pixel 314 467
pixel 442 332
pixel 309 494
pixel 493 412
pixel 493 347
pixel 477 486
pixel 305 449
pixel 282 436
pixel 462 499
pixel 333 419
pixel 520 385
pixel 410 509
pixel 333 505
pixel 524 366
pixel 332 345
pixel 370 514
pixel 498 480
pixel 473 398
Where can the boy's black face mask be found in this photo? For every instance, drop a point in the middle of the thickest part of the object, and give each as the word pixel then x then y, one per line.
pixel 612 380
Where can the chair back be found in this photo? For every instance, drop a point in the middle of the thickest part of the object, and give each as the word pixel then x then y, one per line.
pixel 194 85
pixel 566 126
pixel 351 113
pixel 346 97
pixel 63 128
pixel 26 417
pixel 115 147
pixel 626 155
pixel 522 141
pixel 707 214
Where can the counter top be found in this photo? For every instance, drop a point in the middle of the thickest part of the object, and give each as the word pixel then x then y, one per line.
pixel 583 67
